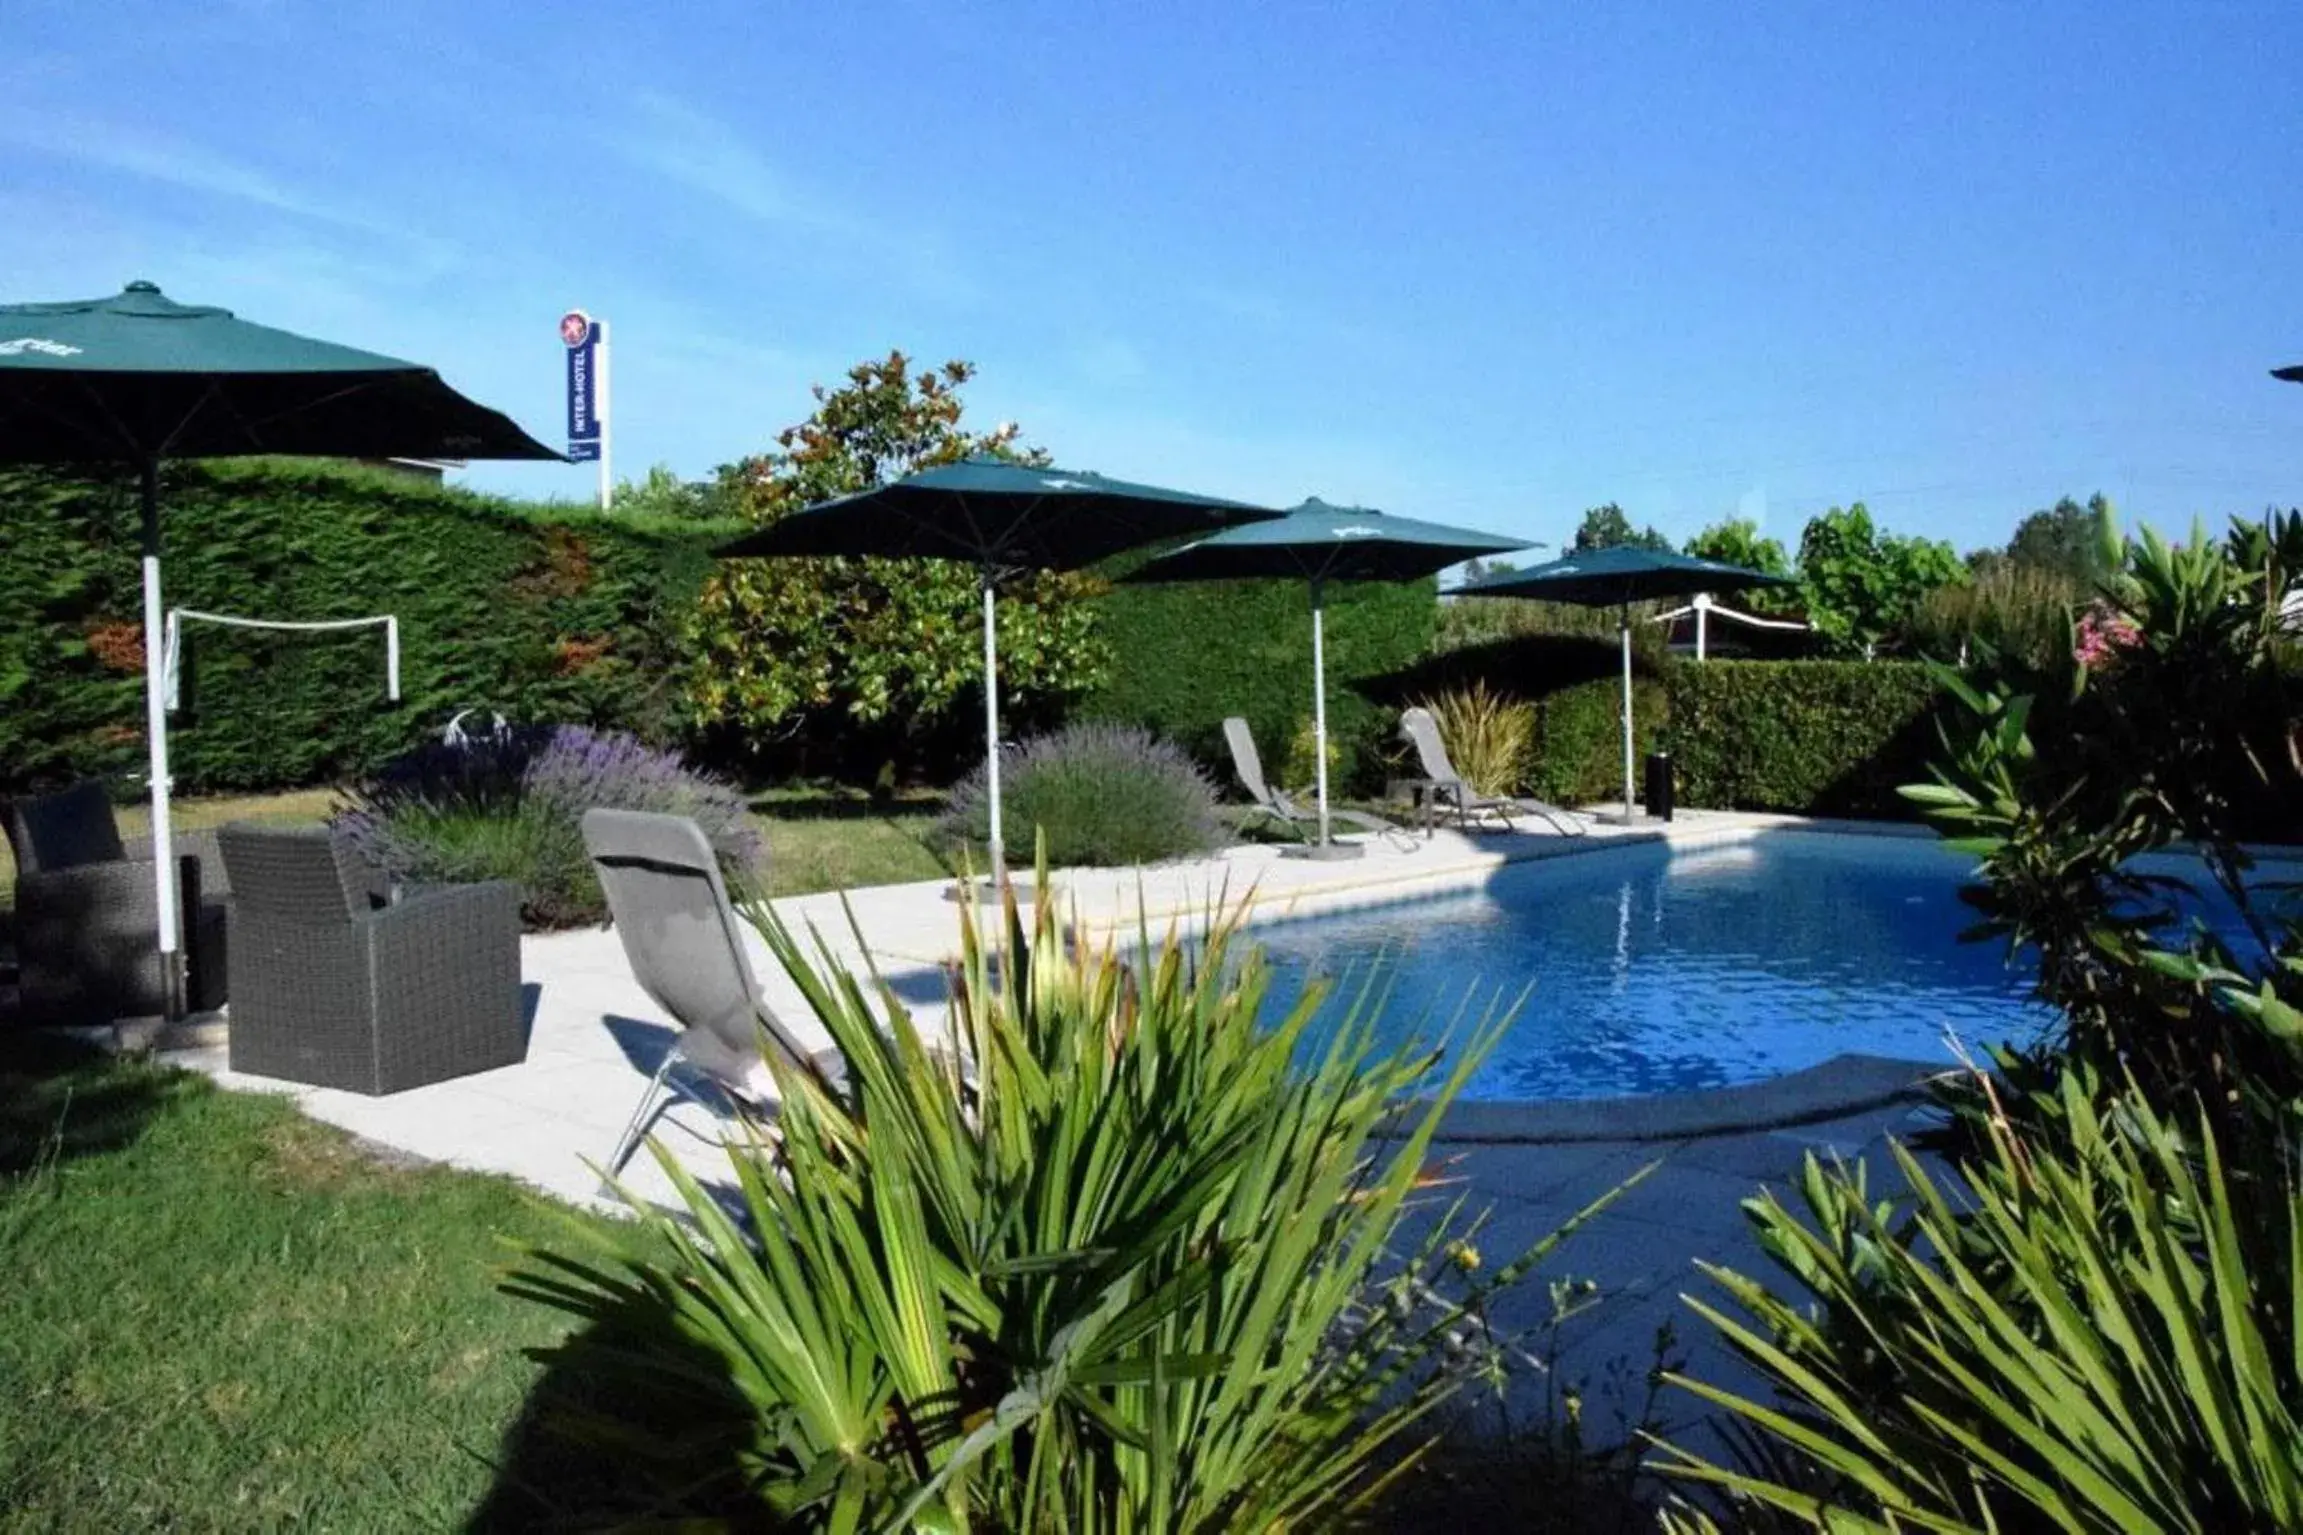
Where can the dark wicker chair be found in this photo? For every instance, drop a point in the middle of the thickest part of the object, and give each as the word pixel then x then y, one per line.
pixel 87 913
pixel 337 984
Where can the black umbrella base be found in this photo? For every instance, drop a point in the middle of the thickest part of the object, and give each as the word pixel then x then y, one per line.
pixel 1324 852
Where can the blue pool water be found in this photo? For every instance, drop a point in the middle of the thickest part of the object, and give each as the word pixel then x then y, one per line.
pixel 1663 972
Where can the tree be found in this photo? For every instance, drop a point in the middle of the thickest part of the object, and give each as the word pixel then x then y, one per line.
pixel 781 646
pixel 1863 588
pixel 2067 539
pixel 664 494
pixel 1738 541
pixel 1604 527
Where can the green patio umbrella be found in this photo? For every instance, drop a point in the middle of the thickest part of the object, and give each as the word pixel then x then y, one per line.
pixel 1001 517
pixel 1617 577
pixel 1318 543
pixel 138 378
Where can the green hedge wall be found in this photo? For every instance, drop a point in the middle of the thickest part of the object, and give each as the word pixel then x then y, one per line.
pixel 548 612
pixel 1186 656
pixel 1814 737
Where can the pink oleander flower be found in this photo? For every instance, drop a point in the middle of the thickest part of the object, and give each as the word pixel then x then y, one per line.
pixel 2102 635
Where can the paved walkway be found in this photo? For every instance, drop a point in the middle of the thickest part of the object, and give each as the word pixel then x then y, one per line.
pixel 596 1038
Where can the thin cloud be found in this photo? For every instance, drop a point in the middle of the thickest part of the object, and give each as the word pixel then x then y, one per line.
pixel 195 168
pixel 705 155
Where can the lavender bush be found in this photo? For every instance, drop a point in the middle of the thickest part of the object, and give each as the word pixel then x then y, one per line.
pixel 1103 795
pixel 509 804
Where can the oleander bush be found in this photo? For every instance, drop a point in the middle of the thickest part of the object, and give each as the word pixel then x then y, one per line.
pixel 1124 1252
pixel 509 804
pixel 550 610
pixel 1100 795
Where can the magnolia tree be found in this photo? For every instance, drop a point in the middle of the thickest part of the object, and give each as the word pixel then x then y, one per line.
pixel 781 646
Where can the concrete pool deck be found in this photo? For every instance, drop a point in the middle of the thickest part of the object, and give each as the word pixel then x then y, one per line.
pixel 595 1038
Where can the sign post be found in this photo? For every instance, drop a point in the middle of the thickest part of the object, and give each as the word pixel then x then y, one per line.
pixel 587 342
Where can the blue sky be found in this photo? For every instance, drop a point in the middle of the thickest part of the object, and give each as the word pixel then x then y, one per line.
pixel 1482 265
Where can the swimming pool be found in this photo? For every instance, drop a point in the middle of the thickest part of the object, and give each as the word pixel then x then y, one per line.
pixel 1664 970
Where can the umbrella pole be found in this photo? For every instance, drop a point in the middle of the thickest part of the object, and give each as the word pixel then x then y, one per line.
pixel 992 731
pixel 1623 627
pixel 156 735
pixel 1326 846
pixel 1319 704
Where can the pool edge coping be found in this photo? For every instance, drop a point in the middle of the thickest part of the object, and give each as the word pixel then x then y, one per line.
pixel 1833 1089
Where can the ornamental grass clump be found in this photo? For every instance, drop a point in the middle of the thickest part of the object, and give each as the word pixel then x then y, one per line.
pixel 1101 795
pixel 1489 736
pixel 509 804
pixel 1121 1252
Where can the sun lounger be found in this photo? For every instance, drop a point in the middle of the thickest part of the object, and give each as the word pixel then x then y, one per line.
pixel 1276 805
pixel 1450 792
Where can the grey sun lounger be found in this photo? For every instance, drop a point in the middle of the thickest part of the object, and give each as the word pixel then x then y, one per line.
pixel 1451 792
pixel 678 927
pixel 1275 804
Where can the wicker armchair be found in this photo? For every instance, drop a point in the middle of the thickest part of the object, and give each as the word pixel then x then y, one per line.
pixel 87 913
pixel 337 984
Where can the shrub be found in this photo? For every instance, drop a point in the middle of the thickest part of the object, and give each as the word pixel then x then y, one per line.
pixel 554 609
pixel 510 804
pixel 1103 795
pixel 1808 737
pixel 1184 657
pixel 1139 1265
pixel 2089 1330
pixel 1490 739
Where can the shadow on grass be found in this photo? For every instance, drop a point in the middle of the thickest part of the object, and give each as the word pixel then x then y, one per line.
pixel 61 1100
pixel 600 1444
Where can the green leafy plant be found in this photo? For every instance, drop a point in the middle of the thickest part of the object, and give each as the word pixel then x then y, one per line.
pixel 1107 795
pixel 1490 738
pixel 1114 1256
pixel 2094 1330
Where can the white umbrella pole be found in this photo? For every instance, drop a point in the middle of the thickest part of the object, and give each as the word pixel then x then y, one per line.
pixel 1319 705
pixel 1624 628
pixel 156 735
pixel 992 730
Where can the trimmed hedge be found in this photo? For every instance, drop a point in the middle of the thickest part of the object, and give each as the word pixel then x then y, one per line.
pixel 1811 737
pixel 1186 656
pixel 543 612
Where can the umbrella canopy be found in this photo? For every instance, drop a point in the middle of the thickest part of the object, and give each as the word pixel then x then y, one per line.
pixel 137 378
pixel 1319 543
pixel 998 516
pixel 1617 577
pixel 1620 574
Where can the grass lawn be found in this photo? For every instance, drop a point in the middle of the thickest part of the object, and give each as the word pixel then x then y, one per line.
pixel 829 839
pixel 217 1314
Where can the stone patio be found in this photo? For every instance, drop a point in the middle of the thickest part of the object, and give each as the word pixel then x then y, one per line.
pixel 595 1039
